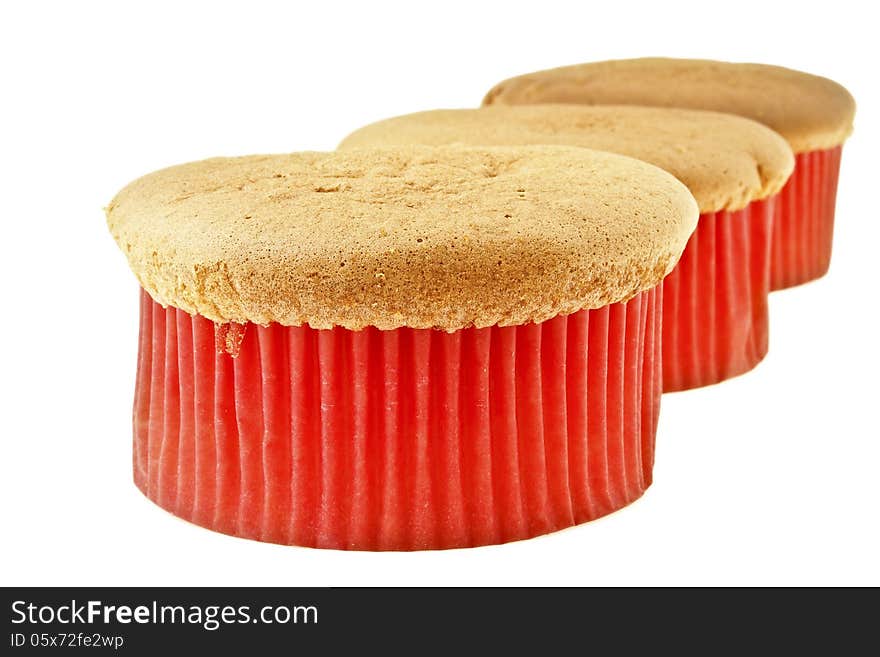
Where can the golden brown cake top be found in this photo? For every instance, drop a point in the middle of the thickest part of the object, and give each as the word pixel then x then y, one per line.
pixel 811 112
pixel 414 236
pixel 726 161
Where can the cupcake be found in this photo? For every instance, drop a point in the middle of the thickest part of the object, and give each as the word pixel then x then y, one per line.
pixel 399 349
pixel 813 113
pixel 715 301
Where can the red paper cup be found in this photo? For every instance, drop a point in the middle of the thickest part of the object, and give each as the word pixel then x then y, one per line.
pixel 715 300
pixel 397 440
pixel 804 222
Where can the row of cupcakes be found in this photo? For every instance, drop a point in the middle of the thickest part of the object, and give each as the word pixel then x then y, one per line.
pixel 455 329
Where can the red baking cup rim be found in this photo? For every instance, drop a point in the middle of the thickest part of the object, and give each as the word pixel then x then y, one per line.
pixel 803 229
pixel 397 440
pixel 715 314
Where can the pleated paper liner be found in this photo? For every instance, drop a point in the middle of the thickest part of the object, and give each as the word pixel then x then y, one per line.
pixel 397 440
pixel 804 222
pixel 715 321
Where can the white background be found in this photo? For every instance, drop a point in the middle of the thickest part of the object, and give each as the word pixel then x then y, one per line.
pixel 771 478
